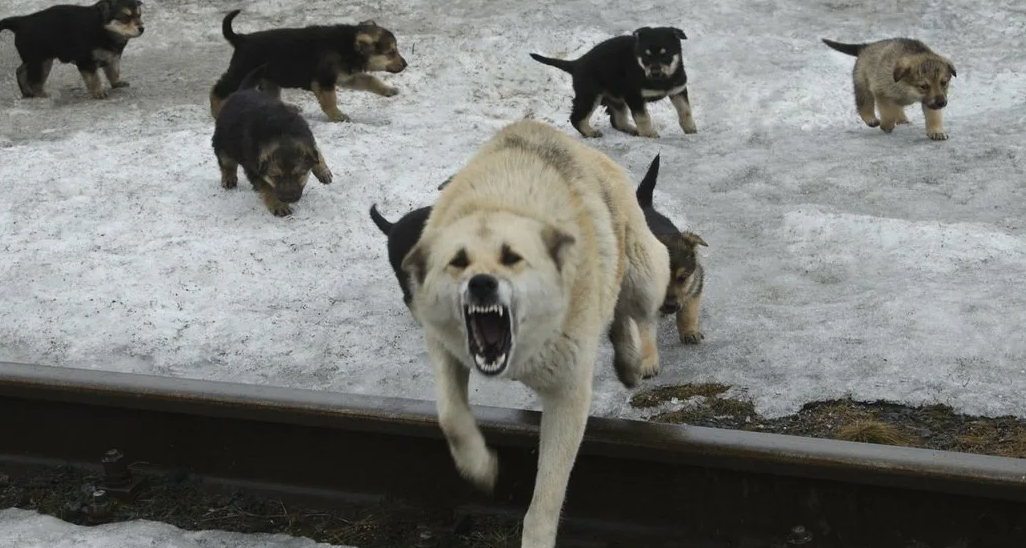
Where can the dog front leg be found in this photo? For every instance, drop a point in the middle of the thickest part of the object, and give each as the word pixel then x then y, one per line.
pixel 88 70
pixel 934 124
pixel 683 106
pixel 368 82
pixel 564 418
pixel 113 72
pixel 320 170
pixel 641 118
pixel 474 460
pixel 328 100
pixel 687 320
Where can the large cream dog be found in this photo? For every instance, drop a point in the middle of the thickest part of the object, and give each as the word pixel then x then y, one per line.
pixel 535 249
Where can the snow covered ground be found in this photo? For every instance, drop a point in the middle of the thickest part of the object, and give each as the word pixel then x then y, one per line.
pixel 841 261
pixel 24 529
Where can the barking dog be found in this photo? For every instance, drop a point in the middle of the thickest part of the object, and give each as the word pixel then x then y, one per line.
pixel 271 142
pixel 91 37
pixel 402 235
pixel 687 277
pixel 894 73
pixel 534 250
pixel 626 72
pixel 314 58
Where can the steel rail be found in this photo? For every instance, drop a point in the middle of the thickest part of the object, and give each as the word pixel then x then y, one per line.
pixel 694 482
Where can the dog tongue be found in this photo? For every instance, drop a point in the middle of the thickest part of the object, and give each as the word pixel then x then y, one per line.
pixel 490 327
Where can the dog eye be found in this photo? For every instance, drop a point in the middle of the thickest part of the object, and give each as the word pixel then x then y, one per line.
pixel 682 279
pixel 509 258
pixel 648 52
pixel 662 50
pixel 460 260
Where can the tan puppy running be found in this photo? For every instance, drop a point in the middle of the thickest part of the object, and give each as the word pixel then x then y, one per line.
pixel 536 249
pixel 894 73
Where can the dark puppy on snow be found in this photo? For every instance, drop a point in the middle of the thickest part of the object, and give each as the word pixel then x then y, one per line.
pixel 91 37
pixel 315 58
pixel 626 72
pixel 402 236
pixel 687 277
pixel 271 142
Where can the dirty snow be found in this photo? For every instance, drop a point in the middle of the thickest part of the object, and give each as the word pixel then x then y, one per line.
pixel 841 261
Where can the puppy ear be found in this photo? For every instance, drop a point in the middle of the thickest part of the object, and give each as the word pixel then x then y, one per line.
pixel 693 239
pixel 364 42
pixel 901 70
pixel 951 68
pixel 557 242
pixel 679 33
pixel 636 32
pixel 415 263
pixel 106 9
pixel 368 23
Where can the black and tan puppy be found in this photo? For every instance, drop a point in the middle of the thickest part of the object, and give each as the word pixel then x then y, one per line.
pixel 92 37
pixel 626 72
pixel 687 277
pixel 315 58
pixel 894 73
pixel 271 142
pixel 402 236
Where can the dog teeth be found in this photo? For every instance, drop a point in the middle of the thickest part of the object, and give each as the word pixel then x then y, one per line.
pixel 489 366
pixel 493 309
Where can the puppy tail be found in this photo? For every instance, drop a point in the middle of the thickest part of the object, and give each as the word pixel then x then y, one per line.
pixel 252 79
pixel 648 182
pixel 561 64
pixel 383 224
pixel 10 23
pixel 226 28
pixel 848 49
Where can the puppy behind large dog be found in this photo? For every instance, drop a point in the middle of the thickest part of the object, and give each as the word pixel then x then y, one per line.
pixel 316 58
pixel 687 276
pixel 91 37
pixel 894 73
pixel 272 143
pixel 626 72
pixel 534 250
pixel 402 235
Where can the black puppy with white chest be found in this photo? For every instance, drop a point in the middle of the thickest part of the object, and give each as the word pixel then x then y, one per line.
pixel 272 143
pixel 92 37
pixel 402 236
pixel 626 72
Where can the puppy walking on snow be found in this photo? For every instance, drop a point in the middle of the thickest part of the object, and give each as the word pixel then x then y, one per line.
pixel 271 142
pixel 626 72
pixel 92 37
pixel 534 251
pixel 316 58
pixel 894 73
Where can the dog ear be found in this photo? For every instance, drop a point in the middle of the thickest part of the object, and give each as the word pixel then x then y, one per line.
pixel 415 263
pixel 951 68
pixel 368 23
pixel 693 239
pixel 901 70
pixel 635 33
pixel 364 42
pixel 557 242
pixel 106 8
pixel 679 33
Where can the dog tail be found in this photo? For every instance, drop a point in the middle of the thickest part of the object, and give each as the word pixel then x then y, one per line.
pixel 10 23
pixel 848 49
pixel 252 79
pixel 227 31
pixel 648 182
pixel 383 224
pixel 561 64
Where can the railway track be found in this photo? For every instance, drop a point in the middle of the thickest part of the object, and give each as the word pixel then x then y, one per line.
pixel 635 484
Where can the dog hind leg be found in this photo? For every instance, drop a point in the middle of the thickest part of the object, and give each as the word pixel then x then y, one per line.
pixel 618 115
pixel 32 78
pixel 474 460
pixel 584 106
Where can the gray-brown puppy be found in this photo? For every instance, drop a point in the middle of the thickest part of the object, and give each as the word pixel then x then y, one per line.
pixel 894 73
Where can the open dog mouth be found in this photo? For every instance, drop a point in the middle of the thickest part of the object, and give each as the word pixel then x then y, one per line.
pixel 489 336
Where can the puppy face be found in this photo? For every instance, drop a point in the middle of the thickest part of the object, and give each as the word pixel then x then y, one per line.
pixel 380 48
pixel 926 78
pixel 285 168
pixel 122 17
pixel 657 51
pixel 683 263
pixel 489 285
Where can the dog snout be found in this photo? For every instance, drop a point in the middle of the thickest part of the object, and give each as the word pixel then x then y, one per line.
pixel 141 29
pixel 289 195
pixel 483 287
pixel 398 65
pixel 938 102
pixel 670 306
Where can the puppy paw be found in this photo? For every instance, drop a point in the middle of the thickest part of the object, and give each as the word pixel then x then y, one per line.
pixel 691 337
pixel 937 135
pixel 281 210
pixel 389 91
pixel 229 181
pixel 650 133
pixel 480 468
pixel 120 84
pixel 903 120
pixel 323 175
pixel 100 94
pixel 872 123
pixel 688 126
pixel 887 127
pixel 338 117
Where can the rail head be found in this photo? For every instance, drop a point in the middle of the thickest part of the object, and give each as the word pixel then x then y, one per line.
pixel 850 462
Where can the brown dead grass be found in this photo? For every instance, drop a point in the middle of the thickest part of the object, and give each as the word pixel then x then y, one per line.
pixel 874 431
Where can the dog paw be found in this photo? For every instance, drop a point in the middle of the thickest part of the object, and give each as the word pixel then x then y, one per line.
pixel 650 133
pixel 229 181
pixel 281 210
pixel 691 337
pixel 120 84
pixel 902 121
pixel 649 367
pixel 688 126
pixel 323 175
pixel 338 117
pixel 937 135
pixel 101 94
pixel 887 128
pixel 482 469
pixel 872 123
pixel 390 92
